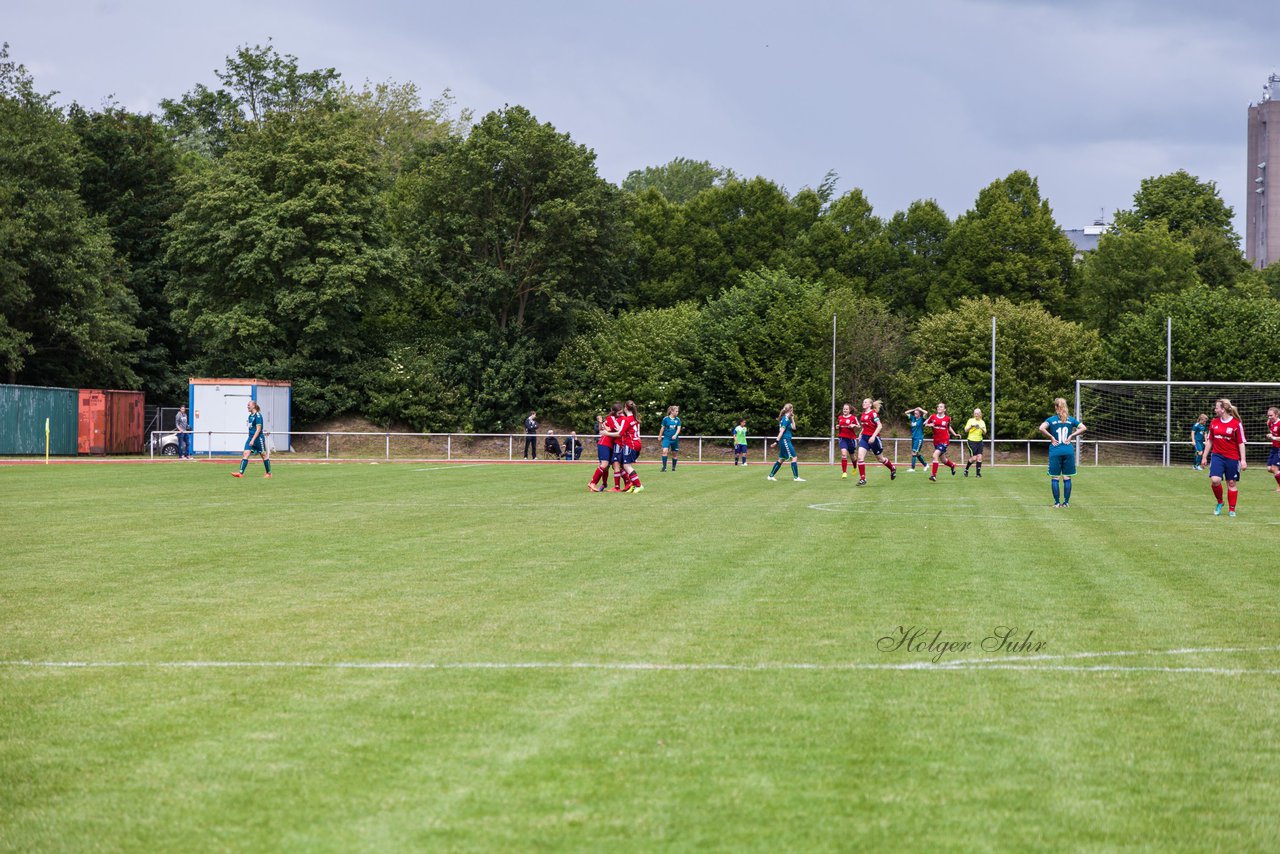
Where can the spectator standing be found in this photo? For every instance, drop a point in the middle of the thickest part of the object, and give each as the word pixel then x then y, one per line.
pixel 183 428
pixel 531 436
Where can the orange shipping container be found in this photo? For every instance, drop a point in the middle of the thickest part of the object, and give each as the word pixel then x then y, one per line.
pixel 111 422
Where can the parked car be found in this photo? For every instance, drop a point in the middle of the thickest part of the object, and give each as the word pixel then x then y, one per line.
pixel 165 444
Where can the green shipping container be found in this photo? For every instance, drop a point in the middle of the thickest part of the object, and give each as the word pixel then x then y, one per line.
pixel 23 409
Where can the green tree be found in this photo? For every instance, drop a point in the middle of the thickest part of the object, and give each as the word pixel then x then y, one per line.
pixel 1008 246
pixel 871 345
pixel 256 82
pixel 1193 212
pixel 678 181
pixel 916 262
pixel 513 235
pixel 1182 201
pixel 1038 358
pixel 65 317
pixel 1217 336
pixel 283 257
pixel 649 356
pixel 1130 267
pixel 843 245
pixel 764 343
pixel 128 176
pixel 399 125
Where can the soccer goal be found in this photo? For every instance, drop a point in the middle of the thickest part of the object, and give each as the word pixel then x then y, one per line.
pixel 1137 422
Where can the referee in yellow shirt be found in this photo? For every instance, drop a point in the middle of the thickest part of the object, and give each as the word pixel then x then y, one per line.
pixel 974 430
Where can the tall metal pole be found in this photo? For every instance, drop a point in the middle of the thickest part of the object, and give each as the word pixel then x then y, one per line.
pixel 1168 391
pixel 831 444
pixel 991 416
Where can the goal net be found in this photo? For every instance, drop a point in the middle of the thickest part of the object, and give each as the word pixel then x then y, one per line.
pixel 1133 422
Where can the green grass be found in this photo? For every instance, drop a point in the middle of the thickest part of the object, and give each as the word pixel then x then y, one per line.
pixel 135 566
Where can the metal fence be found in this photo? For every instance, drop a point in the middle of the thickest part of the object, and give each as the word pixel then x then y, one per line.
pixel 450 447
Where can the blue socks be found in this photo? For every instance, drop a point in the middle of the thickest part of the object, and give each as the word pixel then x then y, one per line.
pixel 795 470
pixel 1066 490
pixel 1056 499
pixel 776 466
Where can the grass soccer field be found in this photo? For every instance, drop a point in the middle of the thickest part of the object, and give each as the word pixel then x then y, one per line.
pixel 486 657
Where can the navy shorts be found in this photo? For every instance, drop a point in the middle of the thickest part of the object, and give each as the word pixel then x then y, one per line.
pixel 850 445
pixel 875 446
pixel 604 453
pixel 739 449
pixel 628 456
pixel 1273 458
pixel 1224 467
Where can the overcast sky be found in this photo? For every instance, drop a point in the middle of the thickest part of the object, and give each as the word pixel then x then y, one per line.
pixel 906 99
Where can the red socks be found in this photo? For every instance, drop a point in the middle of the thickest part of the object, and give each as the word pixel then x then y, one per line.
pixel 1217 491
pixel 844 467
pixel 862 471
pixel 889 465
pixel 1231 499
pixel 935 470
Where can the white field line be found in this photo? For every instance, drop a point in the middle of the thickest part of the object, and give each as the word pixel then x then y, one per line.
pixel 450 466
pixel 1033 662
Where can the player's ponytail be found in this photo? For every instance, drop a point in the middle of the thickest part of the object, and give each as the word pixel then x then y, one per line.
pixel 1060 406
pixel 877 405
pixel 630 409
pixel 787 409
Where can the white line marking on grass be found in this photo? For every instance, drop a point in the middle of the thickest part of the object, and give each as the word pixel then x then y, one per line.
pixel 924 507
pixel 1029 663
pixel 451 466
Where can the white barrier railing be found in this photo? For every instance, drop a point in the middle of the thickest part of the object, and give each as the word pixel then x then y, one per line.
pixel 1000 451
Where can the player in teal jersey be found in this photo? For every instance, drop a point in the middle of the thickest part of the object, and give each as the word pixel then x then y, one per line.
pixel 1198 432
pixel 740 441
pixel 256 443
pixel 916 417
pixel 786 450
pixel 1062 429
pixel 671 437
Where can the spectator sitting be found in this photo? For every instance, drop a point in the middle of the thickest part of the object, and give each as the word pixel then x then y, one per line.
pixel 572 447
pixel 552 445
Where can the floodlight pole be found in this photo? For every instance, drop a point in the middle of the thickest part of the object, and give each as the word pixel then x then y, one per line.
pixel 831 443
pixel 992 413
pixel 1168 390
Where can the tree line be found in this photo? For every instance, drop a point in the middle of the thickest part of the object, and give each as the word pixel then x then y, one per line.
pixel 407 261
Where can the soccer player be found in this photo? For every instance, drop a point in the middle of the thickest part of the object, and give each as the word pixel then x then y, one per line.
pixel 1226 450
pixel 1197 439
pixel 671 437
pixel 1062 429
pixel 629 437
pixel 786 449
pixel 940 424
pixel 1273 433
pixel 256 443
pixel 870 440
pixel 847 424
pixel 975 429
pixel 740 441
pixel 606 448
pixel 915 417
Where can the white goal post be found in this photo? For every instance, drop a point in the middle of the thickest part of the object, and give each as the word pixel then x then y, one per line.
pixel 1148 422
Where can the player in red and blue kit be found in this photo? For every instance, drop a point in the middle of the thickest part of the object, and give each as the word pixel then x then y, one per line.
pixel 1226 449
pixel 847 424
pixel 940 424
pixel 606 449
pixel 629 439
pixel 870 440
pixel 1273 433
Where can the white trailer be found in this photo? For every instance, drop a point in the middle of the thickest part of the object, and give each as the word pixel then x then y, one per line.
pixel 219 413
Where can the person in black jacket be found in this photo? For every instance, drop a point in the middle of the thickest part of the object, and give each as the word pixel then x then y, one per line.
pixel 531 436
